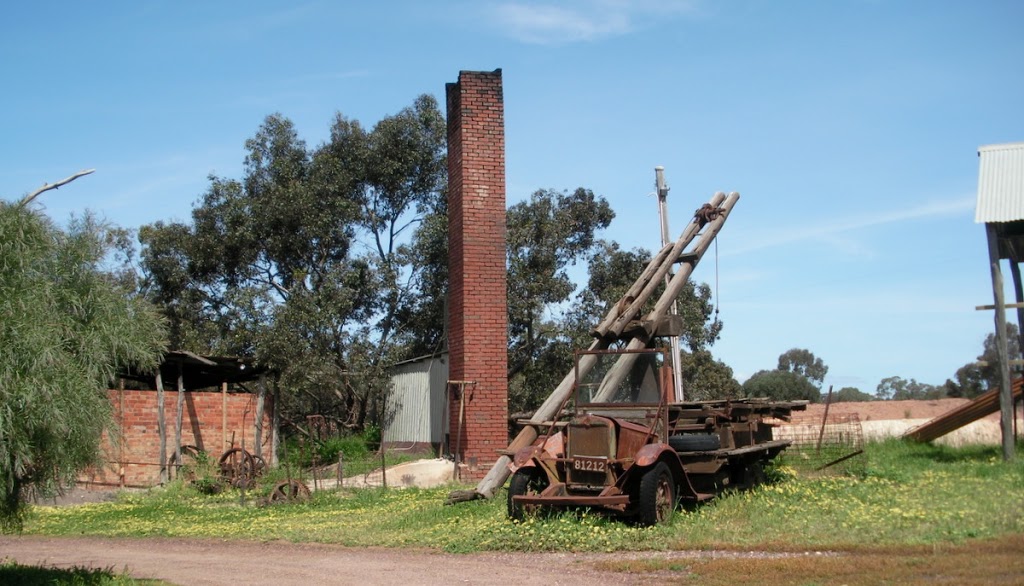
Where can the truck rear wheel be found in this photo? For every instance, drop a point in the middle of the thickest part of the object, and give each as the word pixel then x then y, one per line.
pixel 525 481
pixel 657 495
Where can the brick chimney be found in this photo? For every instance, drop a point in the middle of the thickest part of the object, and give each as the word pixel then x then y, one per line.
pixel 477 318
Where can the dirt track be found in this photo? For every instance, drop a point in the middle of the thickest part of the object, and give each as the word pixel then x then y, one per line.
pixel 207 562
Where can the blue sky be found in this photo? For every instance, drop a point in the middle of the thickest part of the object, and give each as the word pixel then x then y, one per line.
pixel 849 127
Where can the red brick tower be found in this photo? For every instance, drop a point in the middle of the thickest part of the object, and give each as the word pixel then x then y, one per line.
pixel 477 322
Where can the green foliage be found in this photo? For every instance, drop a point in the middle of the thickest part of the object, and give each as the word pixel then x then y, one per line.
pixel 896 388
pixel 546 235
pixel 203 473
pixel 705 378
pixel 611 271
pixel 804 363
pixel 66 327
pixel 909 494
pixel 781 385
pixel 977 377
pixel 300 453
pixel 851 395
pixel 22 575
pixel 304 262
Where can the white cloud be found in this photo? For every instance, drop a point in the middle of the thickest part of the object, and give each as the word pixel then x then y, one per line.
pixel 832 231
pixel 547 23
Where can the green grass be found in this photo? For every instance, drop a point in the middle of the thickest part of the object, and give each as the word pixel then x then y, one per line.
pixel 13 573
pixel 907 495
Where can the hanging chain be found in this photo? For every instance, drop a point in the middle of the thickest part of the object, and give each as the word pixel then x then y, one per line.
pixel 718 299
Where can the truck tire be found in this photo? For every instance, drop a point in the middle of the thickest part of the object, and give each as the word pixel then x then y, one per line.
pixel 657 496
pixel 695 442
pixel 525 481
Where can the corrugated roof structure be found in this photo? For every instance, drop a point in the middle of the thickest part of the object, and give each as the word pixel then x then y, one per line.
pixel 1000 183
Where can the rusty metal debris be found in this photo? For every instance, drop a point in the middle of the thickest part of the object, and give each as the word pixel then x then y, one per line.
pixel 237 467
pixel 628 449
pixel 626 324
pixel 985 404
pixel 706 213
pixel 292 490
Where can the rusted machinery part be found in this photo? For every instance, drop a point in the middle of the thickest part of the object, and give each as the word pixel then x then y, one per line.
pixel 289 491
pixel 260 465
pixel 707 213
pixel 237 467
pixel 189 454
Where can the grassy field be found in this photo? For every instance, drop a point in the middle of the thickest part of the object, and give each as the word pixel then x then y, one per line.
pixel 11 573
pixel 905 514
pixel 907 496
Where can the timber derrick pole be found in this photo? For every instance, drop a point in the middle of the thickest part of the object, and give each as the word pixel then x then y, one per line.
pixel 621 324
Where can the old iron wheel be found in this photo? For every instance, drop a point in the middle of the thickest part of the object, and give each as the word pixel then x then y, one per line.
pixel 259 465
pixel 189 456
pixel 695 442
pixel 289 490
pixel 237 466
pixel 525 481
pixel 657 495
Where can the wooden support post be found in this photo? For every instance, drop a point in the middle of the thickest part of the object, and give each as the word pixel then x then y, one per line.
pixel 261 396
pixel 178 415
pixel 224 417
pixel 1018 290
pixel 275 424
pixel 121 435
pixel 161 426
pixel 1005 393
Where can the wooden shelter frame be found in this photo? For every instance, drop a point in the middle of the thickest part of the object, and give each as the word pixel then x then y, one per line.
pixel 1006 241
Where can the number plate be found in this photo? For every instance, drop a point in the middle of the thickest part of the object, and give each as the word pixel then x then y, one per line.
pixel 584 464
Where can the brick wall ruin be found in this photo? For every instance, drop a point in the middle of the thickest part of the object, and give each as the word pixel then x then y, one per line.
pixel 204 415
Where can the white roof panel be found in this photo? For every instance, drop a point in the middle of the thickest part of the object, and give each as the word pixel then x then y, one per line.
pixel 1000 183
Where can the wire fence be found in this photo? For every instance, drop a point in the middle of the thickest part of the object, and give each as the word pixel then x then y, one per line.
pixel 833 447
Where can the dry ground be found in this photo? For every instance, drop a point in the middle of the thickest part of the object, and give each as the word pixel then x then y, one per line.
pixel 210 562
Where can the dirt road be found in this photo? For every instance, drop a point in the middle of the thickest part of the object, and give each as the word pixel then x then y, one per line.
pixel 207 562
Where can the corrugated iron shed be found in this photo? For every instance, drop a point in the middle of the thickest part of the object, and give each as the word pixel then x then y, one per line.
pixel 1000 183
pixel 417 402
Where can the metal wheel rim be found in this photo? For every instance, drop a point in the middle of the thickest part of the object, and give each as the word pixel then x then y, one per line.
pixel 533 487
pixel 663 499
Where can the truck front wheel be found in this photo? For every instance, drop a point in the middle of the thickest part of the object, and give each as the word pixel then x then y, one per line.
pixel 657 495
pixel 525 481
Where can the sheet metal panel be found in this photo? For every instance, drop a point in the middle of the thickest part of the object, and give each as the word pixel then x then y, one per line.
pixel 417 401
pixel 1000 183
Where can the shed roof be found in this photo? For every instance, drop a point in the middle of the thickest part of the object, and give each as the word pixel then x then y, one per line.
pixel 200 372
pixel 1000 183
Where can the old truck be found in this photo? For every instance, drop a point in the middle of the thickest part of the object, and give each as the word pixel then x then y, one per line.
pixel 624 445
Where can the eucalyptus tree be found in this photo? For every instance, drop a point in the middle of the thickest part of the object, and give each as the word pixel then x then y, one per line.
pixel 66 327
pixel 554 318
pixel 804 363
pixel 781 385
pixel 304 262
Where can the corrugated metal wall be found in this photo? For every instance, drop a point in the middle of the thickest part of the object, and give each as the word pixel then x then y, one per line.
pixel 418 401
pixel 1000 183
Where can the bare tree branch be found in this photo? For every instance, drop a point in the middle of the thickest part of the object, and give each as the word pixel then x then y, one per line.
pixel 48 186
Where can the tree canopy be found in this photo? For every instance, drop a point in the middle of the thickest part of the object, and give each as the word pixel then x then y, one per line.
pixel 305 261
pixel 897 388
pixel 66 327
pixel 781 385
pixel 803 362
pixel 977 377
pixel 330 263
pixel 851 395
